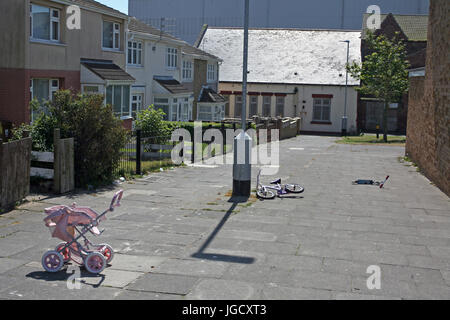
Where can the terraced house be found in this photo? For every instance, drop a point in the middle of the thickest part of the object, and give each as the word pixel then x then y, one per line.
pixel 172 75
pixel 41 54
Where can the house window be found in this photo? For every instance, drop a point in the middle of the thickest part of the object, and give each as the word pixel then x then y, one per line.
pixel 211 113
pixel 321 109
pixel 184 113
pixel 111 35
pixel 43 90
pixel 135 53
pixel 172 58
pixel 227 105
pixel 187 70
pixel 44 23
pixel 237 106
pixel 279 109
pixel 118 96
pixel 90 89
pixel 174 110
pixel 136 104
pixel 253 106
pixel 163 104
pixel 267 105
pixel 211 73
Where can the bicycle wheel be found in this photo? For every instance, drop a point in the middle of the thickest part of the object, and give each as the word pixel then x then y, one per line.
pixel 294 188
pixel 265 194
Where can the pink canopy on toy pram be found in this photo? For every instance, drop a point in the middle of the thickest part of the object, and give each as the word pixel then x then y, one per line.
pixel 61 220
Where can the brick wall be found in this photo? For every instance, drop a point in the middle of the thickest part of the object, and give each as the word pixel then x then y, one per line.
pixel 428 131
pixel 15 90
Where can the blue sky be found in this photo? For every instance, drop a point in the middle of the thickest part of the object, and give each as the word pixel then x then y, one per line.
pixel 121 5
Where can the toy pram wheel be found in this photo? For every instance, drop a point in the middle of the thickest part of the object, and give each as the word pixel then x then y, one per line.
pixel 265 194
pixel 294 188
pixel 65 253
pixel 95 262
pixel 52 261
pixel 107 252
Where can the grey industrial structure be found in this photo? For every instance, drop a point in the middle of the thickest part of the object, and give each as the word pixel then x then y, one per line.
pixel 184 18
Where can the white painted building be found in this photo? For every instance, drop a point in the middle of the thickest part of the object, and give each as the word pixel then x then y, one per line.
pixel 164 69
pixel 292 73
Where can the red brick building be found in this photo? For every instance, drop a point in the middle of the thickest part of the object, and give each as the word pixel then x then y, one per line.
pixel 428 133
pixel 413 31
pixel 41 54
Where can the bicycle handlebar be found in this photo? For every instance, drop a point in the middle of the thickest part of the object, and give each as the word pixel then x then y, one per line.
pixel 114 203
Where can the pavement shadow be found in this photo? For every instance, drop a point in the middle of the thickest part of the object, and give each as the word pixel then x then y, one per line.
pixel 200 254
pixel 64 275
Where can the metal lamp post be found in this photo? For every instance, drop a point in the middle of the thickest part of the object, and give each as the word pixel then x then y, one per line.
pixel 344 118
pixel 243 143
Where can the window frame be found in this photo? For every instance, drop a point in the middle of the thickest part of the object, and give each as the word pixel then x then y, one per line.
pixel 139 103
pixel 253 104
pixel 122 95
pixel 115 44
pixel 139 49
pixel 171 58
pixel 321 105
pixel 51 90
pixel 265 104
pixel 160 104
pixel 51 20
pixel 188 68
pixel 278 105
pixel 236 103
pixel 211 72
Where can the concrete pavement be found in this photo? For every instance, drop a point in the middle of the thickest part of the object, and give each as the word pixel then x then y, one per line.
pixel 178 235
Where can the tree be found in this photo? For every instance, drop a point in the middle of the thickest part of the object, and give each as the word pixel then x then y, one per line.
pixel 384 72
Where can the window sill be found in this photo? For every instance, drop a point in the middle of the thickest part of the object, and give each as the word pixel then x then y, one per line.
pixel 48 42
pixel 136 66
pixel 322 122
pixel 112 50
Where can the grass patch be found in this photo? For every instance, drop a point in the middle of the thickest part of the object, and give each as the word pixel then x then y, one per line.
pixel 372 139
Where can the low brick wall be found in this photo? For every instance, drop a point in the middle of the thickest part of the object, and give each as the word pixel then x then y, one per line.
pixel 428 130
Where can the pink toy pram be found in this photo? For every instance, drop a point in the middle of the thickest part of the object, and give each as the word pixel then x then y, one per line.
pixel 70 224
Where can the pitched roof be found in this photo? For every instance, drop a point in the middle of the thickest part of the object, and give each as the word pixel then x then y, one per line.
pixel 415 27
pixel 140 26
pixel 190 50
pixel 106 69
pixel 208 95
pixel 171 85
pixel 288 56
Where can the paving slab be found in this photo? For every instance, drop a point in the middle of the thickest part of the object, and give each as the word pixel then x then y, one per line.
pixel 164 283
pixel 196 243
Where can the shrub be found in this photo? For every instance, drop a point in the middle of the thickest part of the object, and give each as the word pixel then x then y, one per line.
pixel 98 134
pixel 151 122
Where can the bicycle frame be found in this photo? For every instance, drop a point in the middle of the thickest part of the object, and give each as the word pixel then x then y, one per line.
pixel 278 187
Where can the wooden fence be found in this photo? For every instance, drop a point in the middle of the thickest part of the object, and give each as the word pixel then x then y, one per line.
pixel 15 157
pixel 57 165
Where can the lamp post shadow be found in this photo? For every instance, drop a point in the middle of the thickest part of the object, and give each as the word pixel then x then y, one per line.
pixel 200 254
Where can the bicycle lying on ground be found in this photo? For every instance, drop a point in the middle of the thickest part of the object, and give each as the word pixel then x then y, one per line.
pixel 265 191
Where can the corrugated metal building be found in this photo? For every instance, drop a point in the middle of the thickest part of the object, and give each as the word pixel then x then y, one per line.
pixel 184 18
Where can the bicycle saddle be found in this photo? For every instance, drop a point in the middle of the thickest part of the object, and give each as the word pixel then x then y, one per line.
pixel 276 181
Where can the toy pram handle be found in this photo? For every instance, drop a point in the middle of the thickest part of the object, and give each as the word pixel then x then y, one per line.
pixel 118 197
